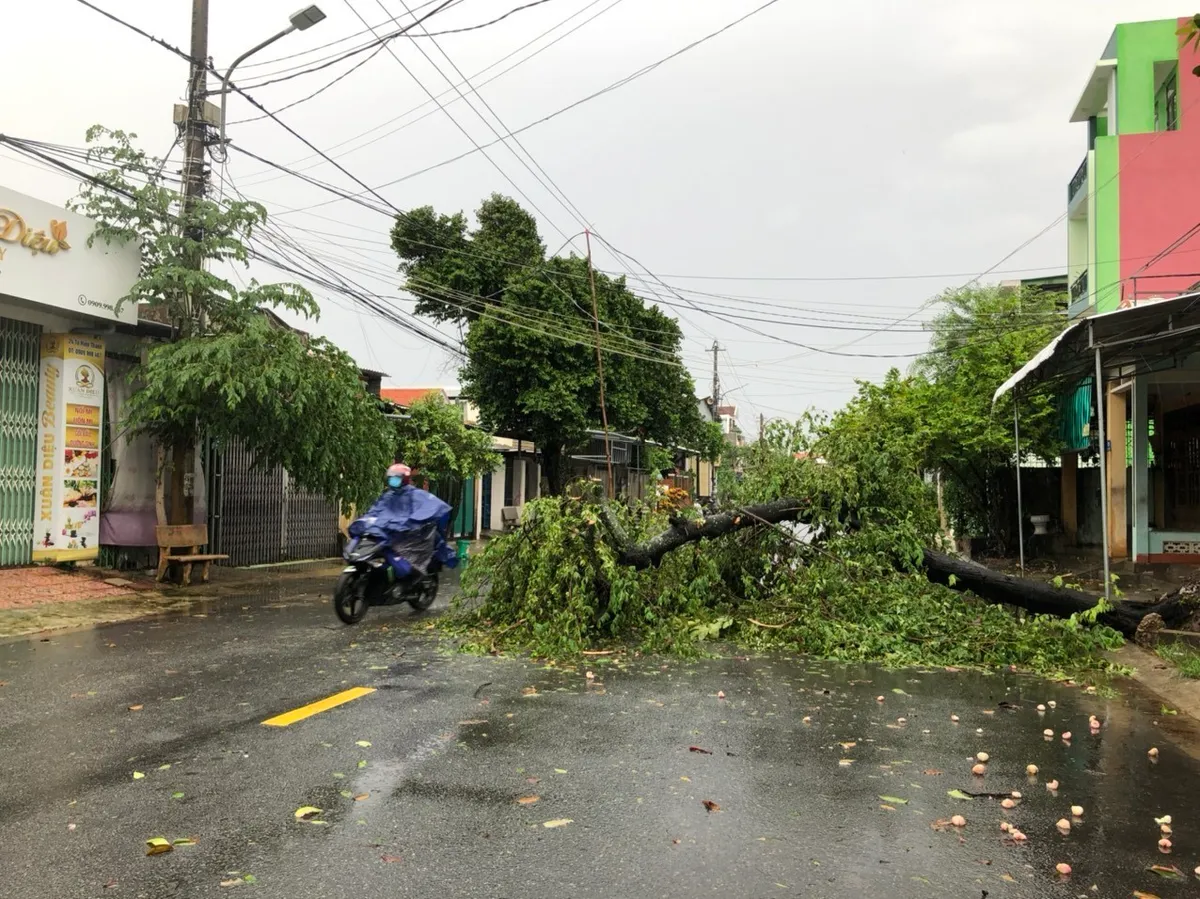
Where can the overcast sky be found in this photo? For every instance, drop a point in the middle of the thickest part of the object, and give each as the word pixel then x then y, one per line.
pixel 814 140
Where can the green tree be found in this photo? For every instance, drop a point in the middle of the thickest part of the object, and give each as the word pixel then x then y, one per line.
pixel 434 440
pixel 531 366
pixel 232 372
pixel 981 336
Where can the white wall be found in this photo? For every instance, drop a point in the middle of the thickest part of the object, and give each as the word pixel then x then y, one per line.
pixel 497 522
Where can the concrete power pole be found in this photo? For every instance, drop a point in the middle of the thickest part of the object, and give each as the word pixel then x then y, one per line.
pixel 716 395
pixel 195 184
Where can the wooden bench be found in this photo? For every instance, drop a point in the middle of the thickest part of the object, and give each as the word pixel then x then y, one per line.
pixel 184 536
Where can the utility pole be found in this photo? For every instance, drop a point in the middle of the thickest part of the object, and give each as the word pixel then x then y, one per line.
pixel 195 183
pixel 600 366
pixel 762 434
pixel 716 396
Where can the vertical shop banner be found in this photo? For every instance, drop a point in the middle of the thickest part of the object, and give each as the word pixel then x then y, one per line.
pixel 70 410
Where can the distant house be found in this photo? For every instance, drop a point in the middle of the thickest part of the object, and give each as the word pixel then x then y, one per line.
pixel 406 396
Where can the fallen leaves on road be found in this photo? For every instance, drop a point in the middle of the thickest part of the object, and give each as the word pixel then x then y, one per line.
pixel 365 744
pixel 845 763
pixel 361 797
pixel 888 808
pixel 109 885
pixel 710 806
pixel 527 800
pixel 138 775
pixel 183 841
pixel 699 750
pixel 898 691
pixel 390 859
pixel 558 822
pixel 850 745
pixel 176 795
pixel 894 800
pixel 560 770
pixel 1138 894
pixel 307 812
pixel 529 691
pixel 362 763
pixel 157 846
pixel 1170 872
pixel 959 794
pixel 932 772
pixel 136 708
pixel 1008 878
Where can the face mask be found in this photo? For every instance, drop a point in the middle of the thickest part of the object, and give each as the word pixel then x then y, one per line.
pixel 395 482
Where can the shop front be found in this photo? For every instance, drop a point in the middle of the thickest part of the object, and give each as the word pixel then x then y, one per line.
pixel 60 306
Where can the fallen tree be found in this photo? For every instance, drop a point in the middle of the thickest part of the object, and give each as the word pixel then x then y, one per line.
pixel 1046 599
pixel 582 575
pixel 961 575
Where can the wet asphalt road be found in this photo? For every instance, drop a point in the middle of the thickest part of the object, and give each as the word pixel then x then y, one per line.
pixel 455 741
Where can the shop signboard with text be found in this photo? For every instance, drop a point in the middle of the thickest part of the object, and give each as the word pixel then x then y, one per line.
pixel 45 259
pixel 66 525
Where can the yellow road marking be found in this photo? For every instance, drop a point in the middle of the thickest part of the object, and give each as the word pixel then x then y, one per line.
pixel 315 708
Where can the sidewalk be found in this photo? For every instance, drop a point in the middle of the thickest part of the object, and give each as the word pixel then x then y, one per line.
pixel 34 600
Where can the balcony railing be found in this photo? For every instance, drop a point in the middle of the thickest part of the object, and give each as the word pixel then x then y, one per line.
pixel 1078 182
pixel 1079 287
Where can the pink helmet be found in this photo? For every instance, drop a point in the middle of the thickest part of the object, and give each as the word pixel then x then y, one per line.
pixel 399 470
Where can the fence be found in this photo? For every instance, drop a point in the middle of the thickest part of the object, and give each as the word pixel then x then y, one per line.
pixel 258 516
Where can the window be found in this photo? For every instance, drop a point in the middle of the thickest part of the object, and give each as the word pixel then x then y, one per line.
pixel 1166 101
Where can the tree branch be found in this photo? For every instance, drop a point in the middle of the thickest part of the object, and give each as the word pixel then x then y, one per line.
pixel 684 531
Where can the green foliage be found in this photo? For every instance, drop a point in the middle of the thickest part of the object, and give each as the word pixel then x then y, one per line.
pixel 435 441
pixel 531 366
pixel 941 417
pixel 555 588
pixel 297 402
pixel 1186 659
pixel 233 372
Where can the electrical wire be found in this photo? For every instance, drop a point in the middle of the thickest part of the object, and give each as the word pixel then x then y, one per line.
pixel 616 85
pixel 420 106
pixel 379 40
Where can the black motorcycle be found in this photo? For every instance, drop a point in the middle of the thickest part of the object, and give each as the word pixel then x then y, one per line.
pixel 375 576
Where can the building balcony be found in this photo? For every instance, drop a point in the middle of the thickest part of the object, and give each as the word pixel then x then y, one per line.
pixel 1078 182
pixel 1147 288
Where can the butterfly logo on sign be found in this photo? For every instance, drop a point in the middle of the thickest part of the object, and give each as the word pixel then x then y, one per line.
pixel 14 230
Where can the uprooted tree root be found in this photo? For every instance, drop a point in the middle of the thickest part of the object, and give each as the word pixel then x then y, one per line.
pixel 577 577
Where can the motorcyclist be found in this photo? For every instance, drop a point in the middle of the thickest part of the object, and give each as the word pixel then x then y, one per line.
pixel 422 516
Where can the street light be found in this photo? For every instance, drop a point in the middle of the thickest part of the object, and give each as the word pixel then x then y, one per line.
pixel 300 21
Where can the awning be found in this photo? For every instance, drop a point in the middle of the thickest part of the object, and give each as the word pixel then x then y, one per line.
pixel 1151 336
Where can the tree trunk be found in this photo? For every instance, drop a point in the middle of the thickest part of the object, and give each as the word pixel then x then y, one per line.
pixel 1046 599
pixel 958 574
pixel 552 465
pixel 183 466
pixel 686 530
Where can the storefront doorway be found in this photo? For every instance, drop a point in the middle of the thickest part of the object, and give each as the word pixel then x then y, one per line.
pixel 20 351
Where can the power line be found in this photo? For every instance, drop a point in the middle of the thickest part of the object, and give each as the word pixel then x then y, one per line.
pixel 380 40
pixel 645 70
pixel 420 106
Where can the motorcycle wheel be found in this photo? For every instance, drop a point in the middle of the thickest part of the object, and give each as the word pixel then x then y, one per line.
pixel 424 593
pixel 350 597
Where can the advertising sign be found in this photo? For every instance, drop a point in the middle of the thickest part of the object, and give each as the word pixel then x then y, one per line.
pixel 66 524
pixel 45 259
